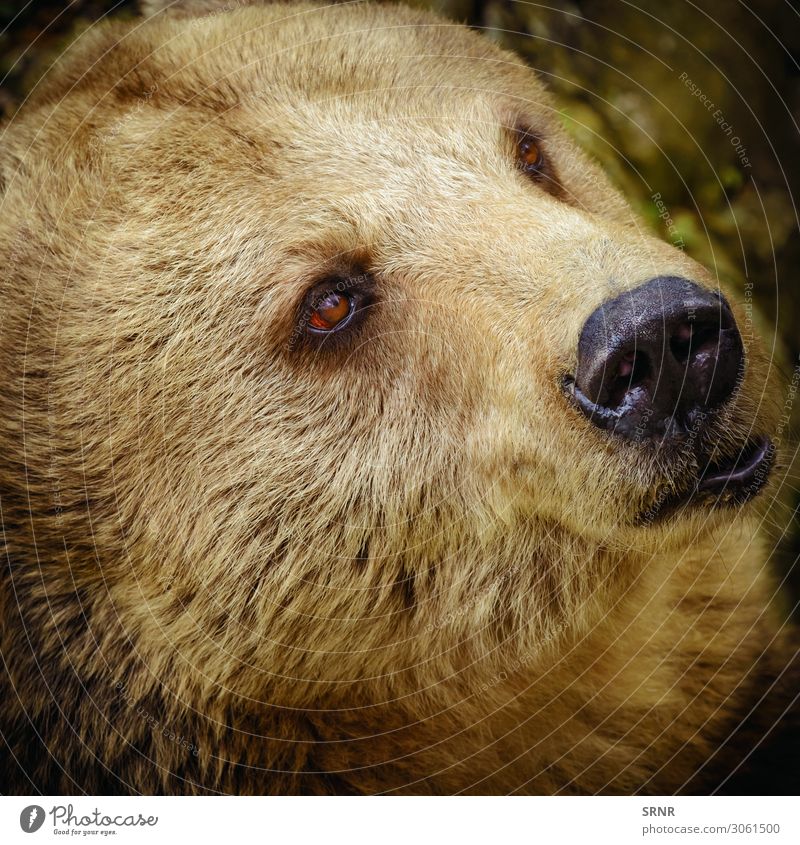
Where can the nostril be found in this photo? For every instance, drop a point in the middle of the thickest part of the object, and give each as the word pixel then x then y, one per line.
pixel 680 343
pixel 626 365
pixel 632 369
pixel 690 340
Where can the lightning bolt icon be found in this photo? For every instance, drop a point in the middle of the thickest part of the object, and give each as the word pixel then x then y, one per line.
pixel 32 819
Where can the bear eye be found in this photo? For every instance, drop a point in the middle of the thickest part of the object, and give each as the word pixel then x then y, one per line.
pixel 336 303
pixel 331 312
pixel 529 154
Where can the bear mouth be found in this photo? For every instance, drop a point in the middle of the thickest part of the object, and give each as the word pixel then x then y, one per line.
pixel 731 481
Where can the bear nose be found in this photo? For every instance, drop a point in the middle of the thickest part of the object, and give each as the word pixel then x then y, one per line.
pixel 655 359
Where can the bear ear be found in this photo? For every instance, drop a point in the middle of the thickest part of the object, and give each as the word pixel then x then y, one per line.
pixel 192 8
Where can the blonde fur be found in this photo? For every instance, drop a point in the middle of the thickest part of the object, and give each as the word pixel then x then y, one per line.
pixel 241 563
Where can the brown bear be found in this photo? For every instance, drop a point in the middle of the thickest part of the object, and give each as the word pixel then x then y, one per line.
pixel 356 437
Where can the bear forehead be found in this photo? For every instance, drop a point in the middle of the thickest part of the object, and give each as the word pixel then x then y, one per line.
pixel 397 59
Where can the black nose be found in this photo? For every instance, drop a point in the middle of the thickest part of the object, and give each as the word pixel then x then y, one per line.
pixel 656 358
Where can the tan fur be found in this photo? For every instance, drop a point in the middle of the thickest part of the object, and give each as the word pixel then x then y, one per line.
pixel 237 563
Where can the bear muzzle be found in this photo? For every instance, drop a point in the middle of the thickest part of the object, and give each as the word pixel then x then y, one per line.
pixel 654 364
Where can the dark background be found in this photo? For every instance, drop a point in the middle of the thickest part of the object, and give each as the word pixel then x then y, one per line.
pixel 619 70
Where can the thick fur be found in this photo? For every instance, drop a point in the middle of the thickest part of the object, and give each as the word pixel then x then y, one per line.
pixel 239 562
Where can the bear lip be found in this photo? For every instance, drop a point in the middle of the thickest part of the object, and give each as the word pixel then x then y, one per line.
pixel 745 473
pixel 732 481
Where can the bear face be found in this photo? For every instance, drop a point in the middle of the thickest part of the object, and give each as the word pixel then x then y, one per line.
pixel 295 298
